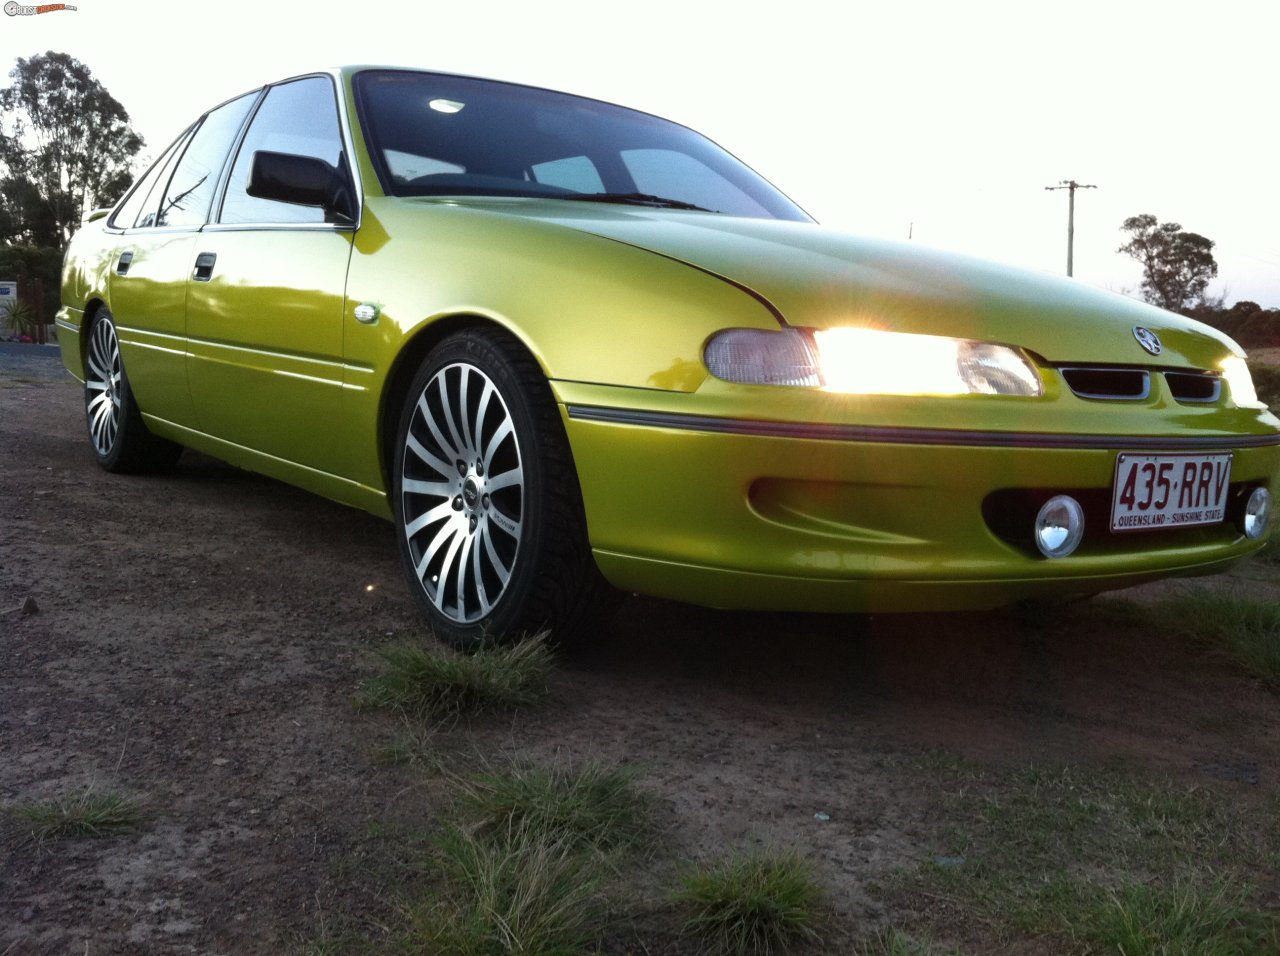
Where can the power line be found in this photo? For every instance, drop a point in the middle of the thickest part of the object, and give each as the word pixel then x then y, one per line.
pixel 1071 186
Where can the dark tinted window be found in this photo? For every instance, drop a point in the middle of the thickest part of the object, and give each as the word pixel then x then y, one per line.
pixel 140 208
pixel 186 201
pixel 431 134
pixel 300 118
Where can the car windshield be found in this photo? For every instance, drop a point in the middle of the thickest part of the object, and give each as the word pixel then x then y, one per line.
pixel 439 135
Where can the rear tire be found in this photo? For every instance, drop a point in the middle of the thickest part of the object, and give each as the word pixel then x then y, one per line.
pixel 488 510
pixel 120 439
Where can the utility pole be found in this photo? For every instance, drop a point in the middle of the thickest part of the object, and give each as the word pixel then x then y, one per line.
pixel 1071 186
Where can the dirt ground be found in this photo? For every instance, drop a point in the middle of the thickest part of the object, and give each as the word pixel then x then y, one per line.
pixel 199 635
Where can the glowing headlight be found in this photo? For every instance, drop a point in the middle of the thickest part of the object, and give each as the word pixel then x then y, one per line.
pixel 871 362
pixel 1239 380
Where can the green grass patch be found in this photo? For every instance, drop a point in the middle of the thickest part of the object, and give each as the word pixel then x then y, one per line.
pixel 1154 920
pixel 753 903
pixel 1244 629
pixel 897 943
pixel 528 860
pixel 522 891
pixel 416 745
pixel 588 806
pixel 425 682
pixel 1096 860
pixel 334 936
pixel 84 813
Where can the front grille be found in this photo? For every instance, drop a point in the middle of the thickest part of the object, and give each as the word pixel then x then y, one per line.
pixel 1194 386
pixel 1118 383
pixel 1114 384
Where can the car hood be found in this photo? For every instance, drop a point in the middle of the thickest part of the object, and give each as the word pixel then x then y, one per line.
pixel 817 277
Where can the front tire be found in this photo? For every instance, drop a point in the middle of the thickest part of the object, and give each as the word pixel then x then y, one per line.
pixel 488 510
pixel 120 439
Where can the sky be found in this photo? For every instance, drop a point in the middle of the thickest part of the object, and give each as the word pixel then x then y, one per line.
pixel 939 121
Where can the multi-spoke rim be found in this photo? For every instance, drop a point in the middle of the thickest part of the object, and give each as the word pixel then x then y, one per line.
pixel 102 379
pixel 462 493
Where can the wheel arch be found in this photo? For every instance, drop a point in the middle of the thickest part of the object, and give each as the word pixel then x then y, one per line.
pixel 408 360
pixel 91 309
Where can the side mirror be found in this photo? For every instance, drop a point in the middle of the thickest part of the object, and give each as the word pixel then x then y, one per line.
pixel 301 180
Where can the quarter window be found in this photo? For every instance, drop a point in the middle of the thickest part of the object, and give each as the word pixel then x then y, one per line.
pixel 190 193
pixel 299 118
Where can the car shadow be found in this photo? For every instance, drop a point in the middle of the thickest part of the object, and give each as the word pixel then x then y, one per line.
pixel 996 655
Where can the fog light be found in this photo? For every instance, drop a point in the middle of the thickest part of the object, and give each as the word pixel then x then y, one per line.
pixel 1257 513
pixel 1059 526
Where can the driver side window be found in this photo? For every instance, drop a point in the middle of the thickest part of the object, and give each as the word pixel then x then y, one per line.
pixel 186 201
pixel 300 118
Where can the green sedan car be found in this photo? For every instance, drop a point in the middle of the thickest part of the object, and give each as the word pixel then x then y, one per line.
pixel 569 347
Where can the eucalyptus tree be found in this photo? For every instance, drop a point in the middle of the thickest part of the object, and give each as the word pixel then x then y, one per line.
pixel 1177 266
pixel 66 146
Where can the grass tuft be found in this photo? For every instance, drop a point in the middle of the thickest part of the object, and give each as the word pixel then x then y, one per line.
pixel 415 744
pixel 753 904
pixel 448 685
pixel 522 891
pixel 1146 920
pixel 590 806
pixel 85 813
pixel 1271 553
pixel 897 943
pixel 1246 630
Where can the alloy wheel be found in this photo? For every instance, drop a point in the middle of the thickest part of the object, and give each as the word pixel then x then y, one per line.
pixel 462 493
pixel 103 381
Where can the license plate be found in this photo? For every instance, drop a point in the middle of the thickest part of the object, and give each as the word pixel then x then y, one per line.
pixel 1154 492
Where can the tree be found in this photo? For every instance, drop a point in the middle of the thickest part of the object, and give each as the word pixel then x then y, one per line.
pixel 34 262
pixel 1247 322
pixel 65 146
pixel 1176 265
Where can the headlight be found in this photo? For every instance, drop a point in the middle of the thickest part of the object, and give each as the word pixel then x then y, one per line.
pixel 754 357
pixel 1235 371
pixel 871 362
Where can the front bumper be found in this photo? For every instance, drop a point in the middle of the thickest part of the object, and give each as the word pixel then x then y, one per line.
pixel 753 514
pixel 70 322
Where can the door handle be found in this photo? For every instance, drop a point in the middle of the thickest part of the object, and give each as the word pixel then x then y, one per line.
pixel 122 264
pixel 204 266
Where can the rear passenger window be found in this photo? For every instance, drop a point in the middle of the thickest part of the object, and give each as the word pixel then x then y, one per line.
pixel 300 118
pixel 190 193
pixel 140 208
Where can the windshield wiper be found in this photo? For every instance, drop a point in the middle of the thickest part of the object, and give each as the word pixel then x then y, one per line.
pixel 635 199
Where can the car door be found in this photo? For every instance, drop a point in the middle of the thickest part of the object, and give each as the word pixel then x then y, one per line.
pixel 265 296
pixel 147 284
